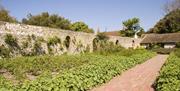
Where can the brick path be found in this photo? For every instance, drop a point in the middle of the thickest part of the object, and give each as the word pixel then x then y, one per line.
pixel 139 78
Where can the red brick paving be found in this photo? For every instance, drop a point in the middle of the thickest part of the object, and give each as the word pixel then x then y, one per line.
pixel 139 78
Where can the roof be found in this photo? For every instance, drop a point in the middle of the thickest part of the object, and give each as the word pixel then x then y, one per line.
pixel 161 38
pixel 112 33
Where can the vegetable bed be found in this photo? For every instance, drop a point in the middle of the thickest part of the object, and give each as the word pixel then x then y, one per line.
pixel 95 70
pixel 169 79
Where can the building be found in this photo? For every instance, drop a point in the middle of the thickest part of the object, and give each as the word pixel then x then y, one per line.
pixel 112 33
pixel 168 40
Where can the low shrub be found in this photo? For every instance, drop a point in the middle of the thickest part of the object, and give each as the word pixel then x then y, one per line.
pixel 53 41
pixel 4 52
pixel 11 41
pixel 163 50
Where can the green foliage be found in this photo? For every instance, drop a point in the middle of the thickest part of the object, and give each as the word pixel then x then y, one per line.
pixel 169 79
pixel 131 26
pixel 87 49
pixel 81 27
pixel 53 41
pixel 25 44
pixel 163 50
pixel 10 40
pixel 169 24
pixel 4 16
pixel 177 52
pixel 102 36
pixel 4 52
pixel 130 23
pixel 35 64
pixel 76 73
pixel 5 85
pixel 106 48
pixel 45 19
pixel 178 45
pixel 100 41
pixel 37 49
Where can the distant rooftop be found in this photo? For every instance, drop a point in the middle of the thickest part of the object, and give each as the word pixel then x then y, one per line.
pixel 112 33
pixel 161 38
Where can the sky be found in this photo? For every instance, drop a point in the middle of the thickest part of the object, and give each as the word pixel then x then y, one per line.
pixel 107 15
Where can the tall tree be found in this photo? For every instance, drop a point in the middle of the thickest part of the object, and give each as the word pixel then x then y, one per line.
pixel 4 15
pixel 45 19
pixel 169 24
pixel 81 26
pixel 171 6
pixel 131 26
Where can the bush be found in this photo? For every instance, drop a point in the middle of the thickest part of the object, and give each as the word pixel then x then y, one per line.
pixel 102 36
pixel 163 50
pixel 53 41
pixel 4 52
pixel 37 49
pixel 106 48
pixel 178 45
pixel 25 44
pixel 177 52
pixel 11 41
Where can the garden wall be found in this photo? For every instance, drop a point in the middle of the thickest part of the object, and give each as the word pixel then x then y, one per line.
pixel 70 42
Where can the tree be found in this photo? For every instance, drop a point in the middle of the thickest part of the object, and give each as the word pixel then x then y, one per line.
pixel 4 16
pixel 169 24
pixel 131 26
pixel 45 19
pixel 81 26
pixel 171 6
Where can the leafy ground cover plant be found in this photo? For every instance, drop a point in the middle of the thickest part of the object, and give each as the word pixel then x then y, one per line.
pixel 78 72
pixel 169 79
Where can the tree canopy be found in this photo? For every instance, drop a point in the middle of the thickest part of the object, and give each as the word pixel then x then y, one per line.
pixel 131 26
pixel 45 19
pixel 169 24
pixel 172 5
pixel 4 16
pixel 81 26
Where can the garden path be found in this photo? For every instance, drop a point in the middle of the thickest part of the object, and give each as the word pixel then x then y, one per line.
pixel 139 78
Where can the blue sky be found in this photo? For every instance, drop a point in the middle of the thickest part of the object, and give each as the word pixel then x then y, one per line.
pixel 105 14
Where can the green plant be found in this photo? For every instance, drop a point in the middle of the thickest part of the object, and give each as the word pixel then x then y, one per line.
pixel 41 39
pixel 53 41
pixel 76 72
pixel 87 49
pixel 169 79
pixel 102 36
pixel 163 50
pixel 178 45
pixel 37 49
pixel 89 75
pixel 4 52
pixel 11 41
pixel 25 44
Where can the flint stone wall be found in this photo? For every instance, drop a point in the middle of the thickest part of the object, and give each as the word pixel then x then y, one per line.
pixel 79 41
